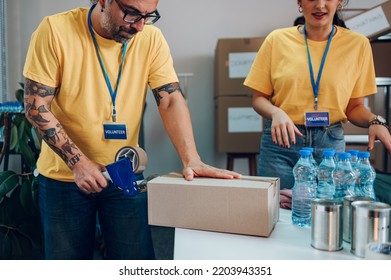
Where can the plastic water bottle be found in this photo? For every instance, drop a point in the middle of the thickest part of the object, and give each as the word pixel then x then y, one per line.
pixel 326 187
pixel 344 177
pixel 312 159
pixel 303 191
pixel 366 176
pixel 353 157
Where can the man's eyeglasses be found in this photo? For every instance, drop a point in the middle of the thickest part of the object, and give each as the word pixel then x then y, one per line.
pixel 134 16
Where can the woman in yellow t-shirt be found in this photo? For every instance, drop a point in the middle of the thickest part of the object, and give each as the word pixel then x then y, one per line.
pixel 307 80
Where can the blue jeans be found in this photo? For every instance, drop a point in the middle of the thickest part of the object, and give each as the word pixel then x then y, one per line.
pixel 68 218
pixel 276 161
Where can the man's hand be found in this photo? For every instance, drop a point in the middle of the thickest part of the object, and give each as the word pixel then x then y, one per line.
pixel 88 176
pixel 201 169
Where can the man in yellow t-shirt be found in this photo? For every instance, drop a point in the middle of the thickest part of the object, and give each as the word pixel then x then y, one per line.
pixel 87 72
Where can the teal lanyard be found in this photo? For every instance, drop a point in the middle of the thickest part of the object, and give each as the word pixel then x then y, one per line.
pixel 315 86
pixel 113 94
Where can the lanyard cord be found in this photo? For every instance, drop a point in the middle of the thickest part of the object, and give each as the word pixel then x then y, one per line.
pixel 113 94
pixel 315 86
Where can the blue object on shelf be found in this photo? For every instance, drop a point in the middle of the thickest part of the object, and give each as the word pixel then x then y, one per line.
pixel 11 107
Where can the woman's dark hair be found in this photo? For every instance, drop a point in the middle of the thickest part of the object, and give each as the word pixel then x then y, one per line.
pixel 337 21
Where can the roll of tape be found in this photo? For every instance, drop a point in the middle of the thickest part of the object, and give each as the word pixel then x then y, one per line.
pixel 137 156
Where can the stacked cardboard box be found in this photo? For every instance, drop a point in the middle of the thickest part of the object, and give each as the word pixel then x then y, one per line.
pixel 372 23
pixel 238 126
pixel 382 57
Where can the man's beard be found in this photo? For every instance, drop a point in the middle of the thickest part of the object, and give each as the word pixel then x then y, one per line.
pixel 114 33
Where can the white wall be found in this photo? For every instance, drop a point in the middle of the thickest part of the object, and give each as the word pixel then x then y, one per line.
pixel 192 29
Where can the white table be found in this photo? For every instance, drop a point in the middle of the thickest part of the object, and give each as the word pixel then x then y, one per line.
pixel 286 242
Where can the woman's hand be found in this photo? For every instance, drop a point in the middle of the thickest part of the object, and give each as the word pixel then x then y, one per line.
pixel 379 132
pixel 283 130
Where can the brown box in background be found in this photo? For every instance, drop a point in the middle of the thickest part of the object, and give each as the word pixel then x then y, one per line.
pixel 372 23
pixel 238 127
pixel 233 60
pixel 249 205
pixel 382 58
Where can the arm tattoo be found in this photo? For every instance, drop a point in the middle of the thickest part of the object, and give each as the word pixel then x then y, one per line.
pixel 55 136
pixel 50 135
pixel 72 161
pixel 169 88
pixel 32 91
pixel 35 114
pixel 59 152
pixel 34 88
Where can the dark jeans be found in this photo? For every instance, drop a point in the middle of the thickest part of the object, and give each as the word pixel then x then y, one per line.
pixel 276 161
pixel 69 222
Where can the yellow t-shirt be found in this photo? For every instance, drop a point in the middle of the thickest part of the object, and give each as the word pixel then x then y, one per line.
pixel 281 70
pixel 62 55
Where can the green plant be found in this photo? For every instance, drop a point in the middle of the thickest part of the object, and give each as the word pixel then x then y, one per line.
pixel 20 228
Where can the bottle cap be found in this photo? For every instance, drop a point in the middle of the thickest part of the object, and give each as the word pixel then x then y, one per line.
pixel 328 153
pixel 364 155
pixel 343 155
pixel 353 152
pixel 304 152
pixel 309 149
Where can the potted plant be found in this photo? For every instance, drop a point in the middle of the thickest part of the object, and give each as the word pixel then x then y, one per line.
pixel 20 227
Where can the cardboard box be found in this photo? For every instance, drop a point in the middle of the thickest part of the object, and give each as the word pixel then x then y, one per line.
pixel 382 58
pixel 372 23
pixel 233 60
pixel 248 206
pixel 238 127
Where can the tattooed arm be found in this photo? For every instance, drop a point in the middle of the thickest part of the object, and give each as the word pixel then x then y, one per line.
pixel 176 118
pixel 37 102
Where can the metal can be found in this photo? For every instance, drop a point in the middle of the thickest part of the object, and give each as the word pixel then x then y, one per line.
pixel 347 214
pixel 371 223
pixel 326 232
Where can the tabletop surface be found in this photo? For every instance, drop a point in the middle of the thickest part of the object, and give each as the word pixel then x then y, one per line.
pixel 286 242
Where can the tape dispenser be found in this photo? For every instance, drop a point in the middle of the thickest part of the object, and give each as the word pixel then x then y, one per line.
pixel 127 162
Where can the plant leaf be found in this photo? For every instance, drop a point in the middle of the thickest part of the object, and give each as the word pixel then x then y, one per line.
pixel 11 210
pixel 8 181
pixel 19 94
pixel 27 129
pixel 36 138
pixel 13 137
pixel 26 198
pixel 21 128
pixel 32 231
pixel 6 244
pixel 21 247
pixel 27 154
pixel 35 190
